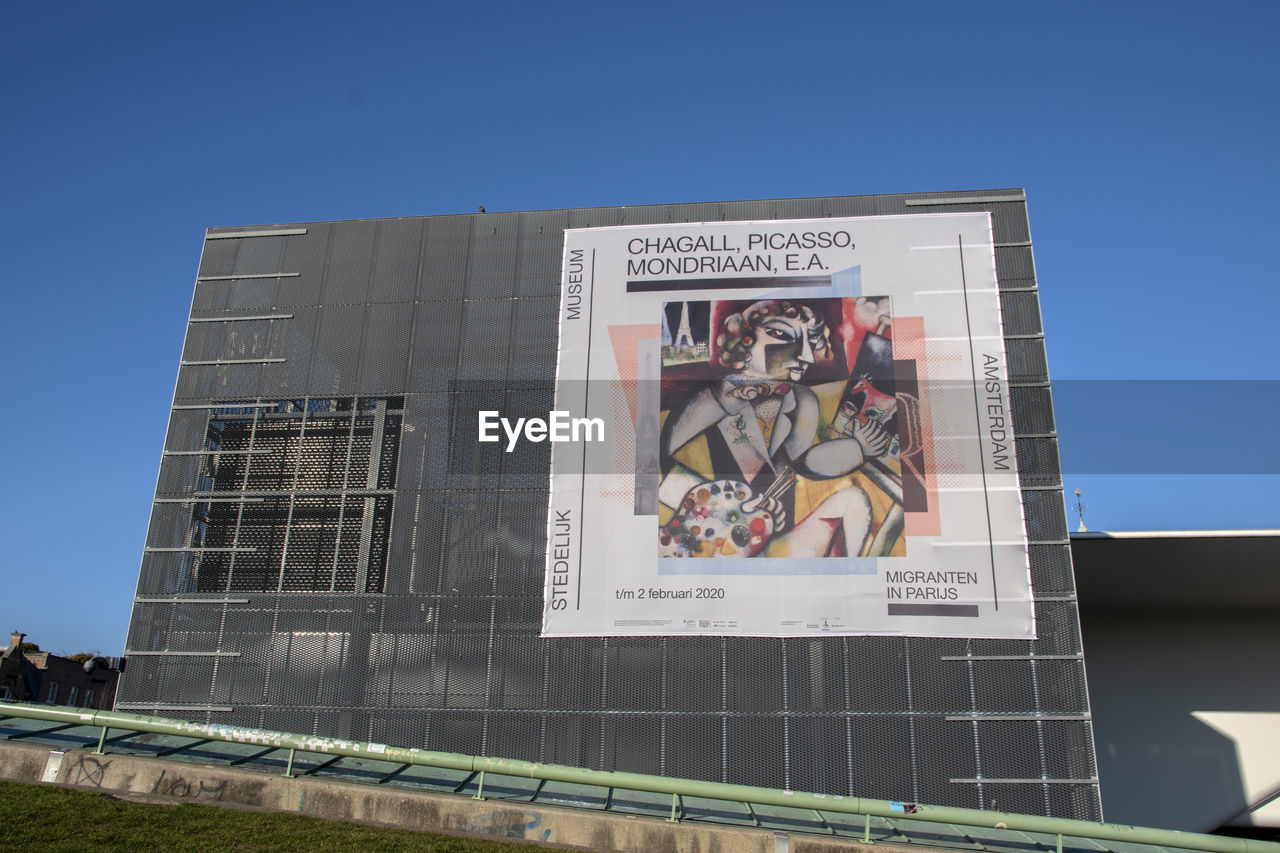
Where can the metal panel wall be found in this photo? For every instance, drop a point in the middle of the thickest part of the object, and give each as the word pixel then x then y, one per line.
pixel 449 314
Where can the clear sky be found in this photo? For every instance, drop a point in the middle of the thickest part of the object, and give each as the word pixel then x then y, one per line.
pixel 1144 133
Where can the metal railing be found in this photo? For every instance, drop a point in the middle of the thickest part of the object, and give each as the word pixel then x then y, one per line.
pixel 868 808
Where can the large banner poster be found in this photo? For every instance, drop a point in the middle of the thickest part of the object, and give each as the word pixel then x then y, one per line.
pixel 784 428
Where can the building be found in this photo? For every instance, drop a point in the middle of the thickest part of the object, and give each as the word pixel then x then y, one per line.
pixel 35 676
pixel 1180 628
pixel 19 679
pixel 331 551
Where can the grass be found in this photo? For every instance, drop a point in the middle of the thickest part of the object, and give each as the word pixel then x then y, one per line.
pixel 46 818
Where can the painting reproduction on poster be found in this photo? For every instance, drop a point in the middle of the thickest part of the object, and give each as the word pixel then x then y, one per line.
pixel 805 431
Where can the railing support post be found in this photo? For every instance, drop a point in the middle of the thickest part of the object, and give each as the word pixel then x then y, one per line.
pixel 102 738
pixel 675 799
pixel 866 829
pixel 480 787
pixel 1059 842
pixel 288 770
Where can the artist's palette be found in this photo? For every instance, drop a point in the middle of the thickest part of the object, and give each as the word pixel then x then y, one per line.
pixel 710 522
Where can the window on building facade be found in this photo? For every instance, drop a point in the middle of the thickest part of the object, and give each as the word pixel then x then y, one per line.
pixel 88 698
pixel 301 495
pixel 52 696
pixel 71 698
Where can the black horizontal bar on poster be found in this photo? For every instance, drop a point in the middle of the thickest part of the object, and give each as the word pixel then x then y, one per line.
pixel 676 284
pixel 933 610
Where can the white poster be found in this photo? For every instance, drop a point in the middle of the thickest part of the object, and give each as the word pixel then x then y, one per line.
pixel 785 428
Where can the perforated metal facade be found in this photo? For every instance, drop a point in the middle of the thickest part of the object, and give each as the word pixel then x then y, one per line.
pixel 331 550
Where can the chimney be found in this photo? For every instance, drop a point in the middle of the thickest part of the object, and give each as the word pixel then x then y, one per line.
pixel 16 638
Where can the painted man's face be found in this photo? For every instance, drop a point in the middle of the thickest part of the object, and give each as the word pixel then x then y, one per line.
pixel 783 348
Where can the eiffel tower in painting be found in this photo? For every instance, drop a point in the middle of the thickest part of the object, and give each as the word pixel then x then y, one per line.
pixel 684 336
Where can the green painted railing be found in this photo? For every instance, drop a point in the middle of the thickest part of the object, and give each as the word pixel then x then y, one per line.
pixel 1060 827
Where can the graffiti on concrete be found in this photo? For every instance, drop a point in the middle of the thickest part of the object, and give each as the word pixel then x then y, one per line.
pixel 176 786
pixel 509 824
pixel 88 770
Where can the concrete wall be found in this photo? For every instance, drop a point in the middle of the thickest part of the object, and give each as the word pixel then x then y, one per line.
pixel 570 828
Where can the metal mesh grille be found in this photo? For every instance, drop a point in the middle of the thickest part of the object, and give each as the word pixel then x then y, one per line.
pixel 1020 311
pixel 291 496
pixel 390 589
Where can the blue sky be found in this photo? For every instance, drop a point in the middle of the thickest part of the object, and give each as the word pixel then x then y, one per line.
pixel 1143 132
